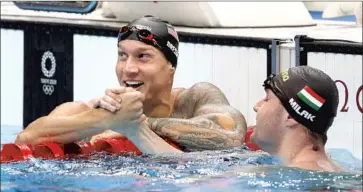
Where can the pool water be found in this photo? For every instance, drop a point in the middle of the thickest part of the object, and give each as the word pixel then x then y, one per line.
pixel 236 169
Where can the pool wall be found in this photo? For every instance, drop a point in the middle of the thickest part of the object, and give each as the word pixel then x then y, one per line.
pixel 44 65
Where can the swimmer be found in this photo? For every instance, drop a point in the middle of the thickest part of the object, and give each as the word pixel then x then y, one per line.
pixel 145 108
pixel 293 118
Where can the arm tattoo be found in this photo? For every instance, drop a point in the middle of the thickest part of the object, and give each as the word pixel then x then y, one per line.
pixel 206 122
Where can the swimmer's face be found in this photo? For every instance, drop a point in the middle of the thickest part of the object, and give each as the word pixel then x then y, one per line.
pixel 144 68
pixel 269 120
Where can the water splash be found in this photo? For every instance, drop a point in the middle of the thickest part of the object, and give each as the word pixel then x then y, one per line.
pixel 234 169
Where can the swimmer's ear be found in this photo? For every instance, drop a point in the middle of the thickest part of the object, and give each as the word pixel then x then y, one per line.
pixel 289 121
pixel 171 70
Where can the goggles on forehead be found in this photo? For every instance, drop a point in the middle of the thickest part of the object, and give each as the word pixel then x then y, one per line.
pixel 269 83
pixel 144 35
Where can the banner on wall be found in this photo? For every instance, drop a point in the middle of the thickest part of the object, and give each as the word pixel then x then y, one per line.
pixel 48 70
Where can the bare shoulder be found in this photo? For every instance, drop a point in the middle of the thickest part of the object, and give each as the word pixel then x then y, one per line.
pixel 188 100
pixel 204 98
pixel 205 102
pixel 204 88
pixel 201 93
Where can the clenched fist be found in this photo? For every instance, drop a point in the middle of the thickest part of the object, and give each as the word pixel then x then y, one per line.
pixel 130 112
pixel 111 101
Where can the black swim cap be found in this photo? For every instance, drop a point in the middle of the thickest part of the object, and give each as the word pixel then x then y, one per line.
pixel 309 95
pixel 155 32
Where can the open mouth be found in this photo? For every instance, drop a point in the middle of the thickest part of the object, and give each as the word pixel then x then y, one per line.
pixel 133 84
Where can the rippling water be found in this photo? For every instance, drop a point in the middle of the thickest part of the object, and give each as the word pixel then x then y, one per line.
pixel 228 170
pixel 236 169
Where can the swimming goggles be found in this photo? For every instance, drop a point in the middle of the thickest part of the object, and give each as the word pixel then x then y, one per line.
pixel 270 83
pixel 144 35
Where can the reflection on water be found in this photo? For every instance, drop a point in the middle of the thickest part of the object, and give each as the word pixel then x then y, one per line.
pixel 235 169
pixel 227 170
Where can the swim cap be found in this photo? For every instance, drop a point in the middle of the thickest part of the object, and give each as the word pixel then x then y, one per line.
pixel 309 95
pixel 155 32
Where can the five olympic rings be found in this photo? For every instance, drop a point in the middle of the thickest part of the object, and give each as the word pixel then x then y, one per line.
pixel 48 89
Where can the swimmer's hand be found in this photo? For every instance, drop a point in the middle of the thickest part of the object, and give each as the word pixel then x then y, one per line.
pixel 130 113
pixel 111 101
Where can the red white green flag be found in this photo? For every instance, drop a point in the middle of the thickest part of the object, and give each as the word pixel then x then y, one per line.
pixel 308 96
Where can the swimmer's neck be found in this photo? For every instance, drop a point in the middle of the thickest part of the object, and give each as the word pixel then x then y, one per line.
pixel 297 147
pixel 161 106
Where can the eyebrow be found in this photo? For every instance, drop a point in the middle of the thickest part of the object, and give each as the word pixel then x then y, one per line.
pixel 140 49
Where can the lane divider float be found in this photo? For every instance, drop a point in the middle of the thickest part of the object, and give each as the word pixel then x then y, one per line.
pixel 12 152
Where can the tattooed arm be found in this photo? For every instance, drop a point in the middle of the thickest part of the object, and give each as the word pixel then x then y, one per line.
pixel 211 122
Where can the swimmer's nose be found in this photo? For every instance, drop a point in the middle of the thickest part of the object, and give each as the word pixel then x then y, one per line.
pixel 257 106
pixel 131 68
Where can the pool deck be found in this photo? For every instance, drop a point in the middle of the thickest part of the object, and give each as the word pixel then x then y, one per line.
pixel 345 30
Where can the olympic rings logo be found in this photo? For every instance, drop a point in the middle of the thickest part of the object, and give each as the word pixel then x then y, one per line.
pixel 46 72
pixel 48 89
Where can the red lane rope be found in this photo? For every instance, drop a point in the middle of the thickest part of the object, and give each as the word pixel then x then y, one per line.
pixel 121 146
pixel 248 142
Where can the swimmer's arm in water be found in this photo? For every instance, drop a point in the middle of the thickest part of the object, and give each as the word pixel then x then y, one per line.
pixel 214 125
pixel 69 122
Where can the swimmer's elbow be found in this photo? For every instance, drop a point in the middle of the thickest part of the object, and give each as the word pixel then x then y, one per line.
pixel 29 134
pixel 242 132
pixel 22 138
pixel 239 131
pixel 29 138
pixel 239 135
pixel 241 127
pixel 237 141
